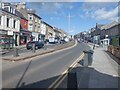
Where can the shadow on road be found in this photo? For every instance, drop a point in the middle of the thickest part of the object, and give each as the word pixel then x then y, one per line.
pixel 78 79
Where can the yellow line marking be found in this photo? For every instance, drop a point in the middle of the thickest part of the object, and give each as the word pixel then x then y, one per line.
pixel 59 80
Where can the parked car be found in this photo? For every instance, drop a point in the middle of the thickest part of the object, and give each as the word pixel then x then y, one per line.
pixel 62 41
pixel 52 40
pixel 38 45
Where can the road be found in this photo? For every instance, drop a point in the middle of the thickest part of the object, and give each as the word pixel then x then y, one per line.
pixel 39 72
pixel 24 50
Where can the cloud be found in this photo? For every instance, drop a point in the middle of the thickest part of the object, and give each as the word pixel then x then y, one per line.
pixel 63 0
pixel 89 6
pixel 45 7
pixel 44 0
pixel 100 10
pixel 101 0
pixel 103 14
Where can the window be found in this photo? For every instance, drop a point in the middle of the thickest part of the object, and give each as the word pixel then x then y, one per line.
pixel 30 27
pixel 25 22
pixel 30 17
pixel 0 19
pixel 14 24
pixel 35 19
pixel 38 26
pixel 7 22
pixel 0 5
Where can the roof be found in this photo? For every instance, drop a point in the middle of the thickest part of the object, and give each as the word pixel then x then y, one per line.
pixel 99 26
pixel 8 12
pixel 30 11
pixel 46 24
pixel 56 30
pixel 107 26
pixel 20 15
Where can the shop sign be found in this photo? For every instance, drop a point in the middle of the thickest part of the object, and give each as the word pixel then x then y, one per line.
pixel 3 32
pixel 10 32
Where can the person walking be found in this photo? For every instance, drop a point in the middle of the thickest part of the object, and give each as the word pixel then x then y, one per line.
pixel 93 46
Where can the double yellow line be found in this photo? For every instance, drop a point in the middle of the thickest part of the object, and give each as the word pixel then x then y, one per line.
pixel 59 80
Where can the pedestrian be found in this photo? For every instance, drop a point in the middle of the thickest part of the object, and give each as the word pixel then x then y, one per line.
pixel 93 46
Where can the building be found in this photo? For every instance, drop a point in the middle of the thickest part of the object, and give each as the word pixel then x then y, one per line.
pixel 50 32
pixel 95 34
pixel 43 30
pixel 113 33
pixel 34 24
pixel 25 35
pixel 9 26
pixel 63 33
pixel 57 33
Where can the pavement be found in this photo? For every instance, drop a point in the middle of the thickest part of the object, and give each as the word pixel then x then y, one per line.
pixel 4 51
pixel 21 49
pixel 23 53
pixel 103 73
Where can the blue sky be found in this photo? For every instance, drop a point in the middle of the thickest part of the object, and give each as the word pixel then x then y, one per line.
pixel 84 15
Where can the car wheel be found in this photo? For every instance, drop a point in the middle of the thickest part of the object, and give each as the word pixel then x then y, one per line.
pixel 27 48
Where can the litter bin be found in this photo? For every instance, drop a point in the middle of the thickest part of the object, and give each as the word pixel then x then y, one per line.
pixel 88 57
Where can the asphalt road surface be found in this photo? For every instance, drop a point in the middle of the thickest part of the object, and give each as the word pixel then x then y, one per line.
pixel 39 72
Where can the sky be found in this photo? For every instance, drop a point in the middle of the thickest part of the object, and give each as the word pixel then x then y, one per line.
pixel 84 14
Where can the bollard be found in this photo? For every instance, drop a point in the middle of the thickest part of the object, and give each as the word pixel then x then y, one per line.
pixel 33 48
pixel 16 52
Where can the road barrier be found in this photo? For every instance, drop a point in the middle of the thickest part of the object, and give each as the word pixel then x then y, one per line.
pixel 114 50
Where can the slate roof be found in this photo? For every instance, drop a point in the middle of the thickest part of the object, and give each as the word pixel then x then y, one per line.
pixel 107 26
pixel 20 15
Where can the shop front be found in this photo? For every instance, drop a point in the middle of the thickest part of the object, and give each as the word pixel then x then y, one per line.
pixel 41 37
pixel 25 36
pixel 6 41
